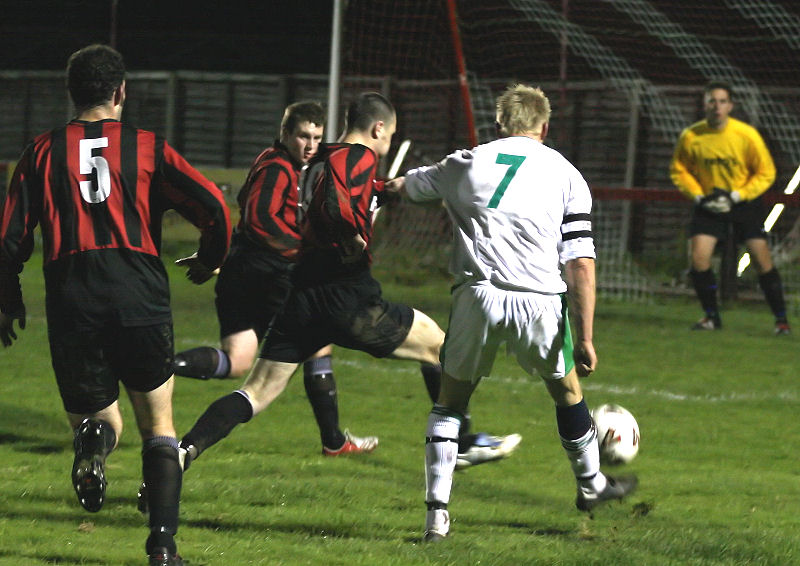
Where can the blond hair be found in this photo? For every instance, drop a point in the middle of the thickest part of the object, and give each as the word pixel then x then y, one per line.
pixel 522 109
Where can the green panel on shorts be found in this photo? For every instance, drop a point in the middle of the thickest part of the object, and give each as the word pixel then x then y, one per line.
pixel 568 348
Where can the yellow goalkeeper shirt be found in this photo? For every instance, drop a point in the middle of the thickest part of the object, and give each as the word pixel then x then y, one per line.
pixel 734 158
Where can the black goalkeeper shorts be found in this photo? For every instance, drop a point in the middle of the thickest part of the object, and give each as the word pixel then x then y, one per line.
pixel 348 311
pixel 747 219
pixel 89 364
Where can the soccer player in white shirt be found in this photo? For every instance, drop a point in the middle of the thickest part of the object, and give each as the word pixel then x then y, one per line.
pixel 519 211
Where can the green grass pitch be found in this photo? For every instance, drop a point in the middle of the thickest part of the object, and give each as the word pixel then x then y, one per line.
pixel 718 461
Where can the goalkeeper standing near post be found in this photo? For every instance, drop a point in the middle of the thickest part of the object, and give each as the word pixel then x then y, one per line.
pixel 724 166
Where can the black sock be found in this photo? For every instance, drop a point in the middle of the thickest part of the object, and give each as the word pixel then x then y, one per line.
pixel 218 421
pixel 573 421
pixel 465 438
pixel 432 374
pixel 321 391
pixel 770 283
pixel 162 473
pixel 202 363
pixel 705 285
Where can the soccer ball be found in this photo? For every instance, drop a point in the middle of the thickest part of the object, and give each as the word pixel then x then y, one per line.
pixel 617 434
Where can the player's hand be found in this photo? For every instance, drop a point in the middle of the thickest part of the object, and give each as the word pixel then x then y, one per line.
pixel 585 358
pixel 718 202
pixel 352 250
pixel 7 334
pixel 197 273
pixel 396 185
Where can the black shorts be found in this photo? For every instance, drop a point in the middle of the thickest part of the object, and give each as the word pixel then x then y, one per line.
pixel 89 364
pixel 250 292
pixel 746 218
pixel 348 311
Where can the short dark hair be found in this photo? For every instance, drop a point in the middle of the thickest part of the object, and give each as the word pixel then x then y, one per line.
pixel 93 73
pixel 368 108
pixel 715 84
pixel 303 111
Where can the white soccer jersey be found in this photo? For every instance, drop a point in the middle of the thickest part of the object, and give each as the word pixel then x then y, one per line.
pixel 519 210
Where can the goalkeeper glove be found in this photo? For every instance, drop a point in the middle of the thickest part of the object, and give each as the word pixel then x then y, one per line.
pixel 718 202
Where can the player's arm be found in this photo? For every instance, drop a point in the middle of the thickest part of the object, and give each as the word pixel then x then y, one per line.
pixel 397 187
pixel 679 171
pixel 18 219
pixel 338 209
pixel 580 276
pixel 202 203
pixel 266 213
pixel 761 167
pixel 577 253
pixel 426 184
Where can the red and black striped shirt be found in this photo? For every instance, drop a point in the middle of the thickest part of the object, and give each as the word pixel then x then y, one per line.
pixel 269 201
pixel 345 195
pixel 99 190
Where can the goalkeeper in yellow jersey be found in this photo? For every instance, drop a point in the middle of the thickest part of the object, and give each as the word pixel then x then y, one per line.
pixel 723 165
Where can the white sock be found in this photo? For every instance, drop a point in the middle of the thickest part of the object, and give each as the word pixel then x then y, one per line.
pixel 584 457
pixel 437 521
pixel 441 450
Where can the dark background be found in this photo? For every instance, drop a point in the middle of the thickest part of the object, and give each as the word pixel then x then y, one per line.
pixel 265 36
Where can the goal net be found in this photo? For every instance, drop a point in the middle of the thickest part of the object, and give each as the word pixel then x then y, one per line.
pixel 624 78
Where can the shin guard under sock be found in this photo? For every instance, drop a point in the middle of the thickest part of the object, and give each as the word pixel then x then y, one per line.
pixel 219 420
pixel 163 476
pixel 321 391
pixel 202 363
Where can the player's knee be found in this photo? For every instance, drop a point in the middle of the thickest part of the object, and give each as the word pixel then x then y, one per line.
pixel 565 391
pixel 429 335
pixel 701 261
pixel 240 366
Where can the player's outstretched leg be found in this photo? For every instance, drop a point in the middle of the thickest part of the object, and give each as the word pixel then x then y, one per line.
pixel 441 450
pixel 221 417
pixel 202 363
pixel 162 474
pixel 320 388
pixel 579 439
pixel 473 448
pixel 93 441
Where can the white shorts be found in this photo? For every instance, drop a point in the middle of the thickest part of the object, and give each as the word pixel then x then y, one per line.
pixel 535 328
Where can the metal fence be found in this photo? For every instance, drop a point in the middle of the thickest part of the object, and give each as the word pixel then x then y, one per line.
pixel 223 120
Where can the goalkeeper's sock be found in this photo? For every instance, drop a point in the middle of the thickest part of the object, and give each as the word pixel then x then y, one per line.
pixel 705 285
pixel 219 420
pixel 202 363
pixel 579 439
pixel 321 391
pixel 772 286
pixel 441 451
